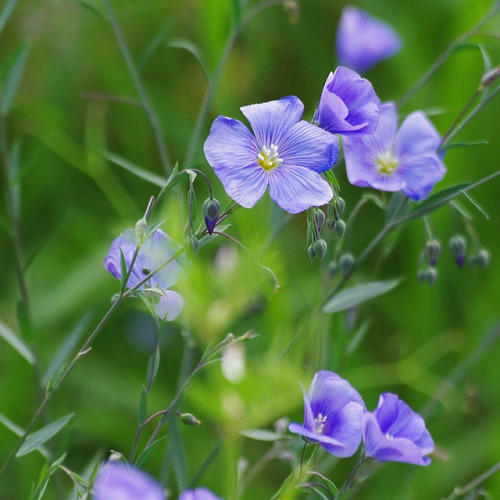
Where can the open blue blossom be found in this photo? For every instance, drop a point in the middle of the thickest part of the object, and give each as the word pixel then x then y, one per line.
pixel 364 40
pixel 348 104
pixel 333 414
pixel 116 481
pixel 285 153
pixel 198 494
pixel 396 160
pixel 395 433
pixel 154 252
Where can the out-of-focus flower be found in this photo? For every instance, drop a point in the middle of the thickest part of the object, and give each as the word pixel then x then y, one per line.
pixel 348 104
pixel 364 40
pixel 395 433
pixel 120 482
pixel 396 160
pixel 198 494
pixel 284 152
pixel 154 252
pixel 333 414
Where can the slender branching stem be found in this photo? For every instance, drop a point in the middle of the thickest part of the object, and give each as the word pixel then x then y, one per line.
pixel 136 78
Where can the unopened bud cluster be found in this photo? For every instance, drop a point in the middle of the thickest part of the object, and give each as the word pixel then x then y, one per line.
pixel 211 210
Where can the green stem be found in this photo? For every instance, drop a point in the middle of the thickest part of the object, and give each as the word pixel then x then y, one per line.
pixel 153 119
pixel 214 81
pixel 446 54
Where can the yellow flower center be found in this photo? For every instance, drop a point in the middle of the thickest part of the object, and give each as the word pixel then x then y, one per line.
pixel 386 163
pixel 269 158
pixel 319 423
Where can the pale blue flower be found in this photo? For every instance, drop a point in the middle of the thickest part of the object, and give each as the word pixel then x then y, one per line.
pixel 116 481
pixel 333 413
pixel 364 40
pixel 154 252
pixel 395 433
pixel 396 160
pixel 284 152
pixel 348 104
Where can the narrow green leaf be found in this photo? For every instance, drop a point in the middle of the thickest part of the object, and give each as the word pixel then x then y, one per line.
pixel 143 457
pixel 375 199
pixel 436 200
pixel 261 435
pixel 123 271
pixel 66 348
pixel 15 342
pixel 143 406
pixel 455 145
pixel 13 78
pixel 92 9
pixel 18 431
pixel 177 454
pixel 398 207
pixel 6 13
pixel 137 171
pixel 153 45
pixel 193 49
pixel 358 336
pixel 358 294
pixel 476 205
pixel 333 180
pixel 35 440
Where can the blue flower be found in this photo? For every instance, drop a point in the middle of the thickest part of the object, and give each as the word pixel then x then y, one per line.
pixel 396 160
pixel 198 494
pixel 363 40
pixel 395 433
pixel 348 104
pixel 154 252
pixel 117 481
pixel 285 153
pixel 333 413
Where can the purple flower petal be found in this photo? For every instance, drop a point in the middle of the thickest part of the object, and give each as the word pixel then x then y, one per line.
pixel 392 160
pixel 198 494
pixel 310 147
pixel 363 40
pixel 333 413
pixel 394 432
pixel 286 154
pixel 348 104
pixel 169 306
pixel 271 121
pixel 295 189
pixel 121 482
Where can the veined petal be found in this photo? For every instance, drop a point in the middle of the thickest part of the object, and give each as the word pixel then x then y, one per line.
pixel 271 121
pixel 416 136
pixel 309 146
pixel 313 436
pixel 348 104
pixel 169 306
pixel 230 145
pixel 295 189
pixel 420 175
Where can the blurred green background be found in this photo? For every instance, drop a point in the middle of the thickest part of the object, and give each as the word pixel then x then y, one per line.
pixel 75 202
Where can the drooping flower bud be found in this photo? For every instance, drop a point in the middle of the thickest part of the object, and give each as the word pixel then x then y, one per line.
pixel 339 228
pixel 319 217
pixel 428 275
pixel 489 78
pixel 481 259
pixel 211 210
pixel 432 250
pixel 346 263
pixel 141 227
pixel 333 269
pixel 319 248
pixel 189 419
pixel 457 246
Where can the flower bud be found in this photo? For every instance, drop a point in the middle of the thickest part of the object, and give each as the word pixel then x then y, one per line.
pixel 141 227
pixel 319 249
pixel 432 250
pixel 457 246
pixel 489 78
pixel 346 264
pixel 211 210
pixel 340 204
pixel 319 217
pixel 189 419
pixel 481 259
pixel 333 269
pixel 428 275
pixel 339 228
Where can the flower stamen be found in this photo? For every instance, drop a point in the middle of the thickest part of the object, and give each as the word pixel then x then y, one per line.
pixel 268 158
pixel 386 163
pixel 319 423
